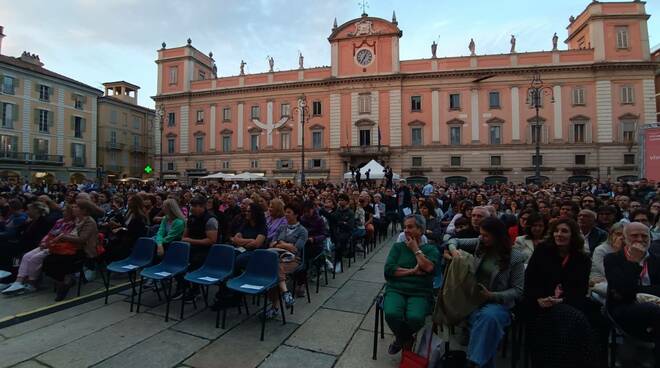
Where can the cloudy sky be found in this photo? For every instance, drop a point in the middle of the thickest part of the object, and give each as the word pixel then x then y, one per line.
pixel 98 41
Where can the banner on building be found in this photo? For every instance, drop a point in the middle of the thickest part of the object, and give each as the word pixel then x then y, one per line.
pixel 652 154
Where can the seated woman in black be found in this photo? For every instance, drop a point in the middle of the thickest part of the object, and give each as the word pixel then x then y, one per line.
pixel 134 226
pixel 251 236
pixel 629 272
pixel 556 286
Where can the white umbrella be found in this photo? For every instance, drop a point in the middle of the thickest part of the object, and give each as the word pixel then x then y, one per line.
pixel 218 176
pixel 248 176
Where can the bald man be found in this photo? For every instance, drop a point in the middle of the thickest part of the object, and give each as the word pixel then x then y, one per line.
pixel 631 271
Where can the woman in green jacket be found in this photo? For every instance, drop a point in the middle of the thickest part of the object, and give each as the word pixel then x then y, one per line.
pixel 171 226
pixel 409 289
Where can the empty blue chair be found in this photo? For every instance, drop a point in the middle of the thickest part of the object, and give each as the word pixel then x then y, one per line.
pixel 174 263
pixel 218 266
pixel 261 275
pixel 141 256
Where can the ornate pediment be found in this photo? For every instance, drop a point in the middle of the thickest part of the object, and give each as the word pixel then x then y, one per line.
pixel 629 116
pixel 495 120
pixel 226 131
pixel 365 123
pixel 316 127
pixel 255 130
pixel 171 135
pixel 416 122
pixel 533 120
pixel 455 121
pixel 579 117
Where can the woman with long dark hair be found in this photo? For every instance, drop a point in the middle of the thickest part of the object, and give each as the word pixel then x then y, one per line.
pixel 556 286
pixel 134 227
pixel 252 234
pixel 535 229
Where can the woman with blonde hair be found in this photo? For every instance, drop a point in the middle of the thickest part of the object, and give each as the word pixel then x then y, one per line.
pixel 171 226
pixel 274 219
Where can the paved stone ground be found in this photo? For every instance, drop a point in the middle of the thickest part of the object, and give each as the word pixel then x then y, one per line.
pixel 334 330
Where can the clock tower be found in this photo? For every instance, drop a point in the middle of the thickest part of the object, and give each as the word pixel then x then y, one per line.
pixel 365 46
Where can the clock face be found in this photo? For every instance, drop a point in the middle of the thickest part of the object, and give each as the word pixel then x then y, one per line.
pixel 364 57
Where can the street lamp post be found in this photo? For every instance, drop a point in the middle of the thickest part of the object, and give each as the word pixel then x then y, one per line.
pixel 161 114
pixel 303 110
pixel 536 90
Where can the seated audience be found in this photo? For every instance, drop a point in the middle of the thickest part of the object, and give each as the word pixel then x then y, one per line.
pixel 613 244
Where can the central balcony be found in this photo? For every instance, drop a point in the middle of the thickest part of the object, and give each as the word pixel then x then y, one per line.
pixel 355 151
pixel 29 158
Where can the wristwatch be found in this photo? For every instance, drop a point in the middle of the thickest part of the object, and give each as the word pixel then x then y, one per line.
pixel 419 251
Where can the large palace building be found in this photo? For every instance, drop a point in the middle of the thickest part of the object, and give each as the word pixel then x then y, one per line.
pixel 466 118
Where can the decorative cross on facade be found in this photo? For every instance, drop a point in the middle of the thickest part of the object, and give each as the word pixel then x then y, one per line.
pixel 269 126
pixel 364 4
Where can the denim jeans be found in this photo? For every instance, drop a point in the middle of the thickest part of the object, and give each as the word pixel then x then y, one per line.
pixel 487 326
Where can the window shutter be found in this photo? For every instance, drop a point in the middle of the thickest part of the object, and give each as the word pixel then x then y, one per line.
pixel 587 133
pixel 323 164
pixel 50 119
pixel 83 125
pixel 279 164
pixel 73 96
pixel 310 164
pixel 73 124
pixel 16 84
pixel 545 134
pixel 14 112
pixel 84 99
pixel 73 151
pixel 36 117
pixel 571 133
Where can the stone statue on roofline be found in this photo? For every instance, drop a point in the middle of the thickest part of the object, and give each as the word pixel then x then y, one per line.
pixel 513 44
pixel 301 60
pixel 434 49
pixel 472 47
pixel 555 39
pixel 271 63
pixel 243 67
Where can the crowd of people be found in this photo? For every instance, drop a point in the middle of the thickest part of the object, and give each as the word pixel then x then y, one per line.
pixel 551 254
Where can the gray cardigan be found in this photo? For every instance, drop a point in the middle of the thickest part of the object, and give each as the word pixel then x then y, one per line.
pixel 298 237
pixel 506 285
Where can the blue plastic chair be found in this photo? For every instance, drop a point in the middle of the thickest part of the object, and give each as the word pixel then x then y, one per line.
pixel 261 275
pixel 218 266
pixel 175 262
pixel 141 256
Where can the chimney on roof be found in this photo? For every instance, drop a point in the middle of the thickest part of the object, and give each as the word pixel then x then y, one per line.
pixel 31 58
pixel 2 35
pixel 122 90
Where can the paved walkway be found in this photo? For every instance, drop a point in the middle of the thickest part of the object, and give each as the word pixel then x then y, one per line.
pixel 334 330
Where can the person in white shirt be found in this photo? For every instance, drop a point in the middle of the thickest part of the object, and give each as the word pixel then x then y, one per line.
pixel 428 189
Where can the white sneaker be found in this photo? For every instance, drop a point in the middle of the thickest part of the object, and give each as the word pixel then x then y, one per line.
pixel 4 286
pixel 329 264
pixel 338 268
pixel 28 289
pixel 14 288
pixel 90 275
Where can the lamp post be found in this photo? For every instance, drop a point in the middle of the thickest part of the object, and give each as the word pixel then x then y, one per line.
pixel 161 114
pixel 303 110
pixel 536 91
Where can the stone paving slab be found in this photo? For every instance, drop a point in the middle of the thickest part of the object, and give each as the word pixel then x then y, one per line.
pixel 59 334
pixel 37 323
pixel 30 364
pixel 203 323
pixel 105 343
pixel 381 254
pixel 328 331
pixel 287 356
pixel 368 322
pixel 175 309
pixel 355 296
pixel 360 350
pixel 166 349
pixel 372 272
pixel 241 347
pixel 303 310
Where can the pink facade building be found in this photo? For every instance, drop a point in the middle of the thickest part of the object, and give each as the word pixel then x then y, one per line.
pixel 440 118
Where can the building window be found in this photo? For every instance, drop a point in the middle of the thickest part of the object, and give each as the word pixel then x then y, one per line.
pixel 9 115
pixel 113 137
pixel 41 148
pixel 136 142
pixel 578 96
pixel 78 101
pixel 365 137
pixel 284 164
pixel 200 116
pixel 199 165
pixel 494 100
pixel 125 118
pixel 537 158
pixel 316 108
pixel 579 132
pixel 285 139
pixel 43 120
pixel 137 122
pixel 317 139
pixel 454 101
pixel 226 114
pixel 254 142
pixel 495 134
pixel 628 131
pixel 78 154
pixel 174 73
pixel 202 75
pixel 171 119
pixel 622 37
pixel 364 103
pixel 8 144
pixel 170 145
pixel 580 159
pixel 417 161
pixel 113 117
pixel 416 103
pixel 455 161
pixel 455 135
pixel 254 164
pixel 199 144
pixel 416 136
pixel 77 127
pixel 170 166
pixel 495 160
pixel 8 85
pixel 226 143
pixel 628 158
pixel 255 112
pixel 627 95
pixel 285 110
pixel 225 165
pixel 537 133
pixel 316 163
pixel 44 93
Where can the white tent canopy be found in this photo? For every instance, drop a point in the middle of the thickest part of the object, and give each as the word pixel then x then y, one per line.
pixel 248 176
pixel 376 172
pixel 218 176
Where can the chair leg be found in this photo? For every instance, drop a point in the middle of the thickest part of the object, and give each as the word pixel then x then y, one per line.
pixel 247 311
pixel 132 280
pixel 263 319
pixel 183 302
pixel 205 294
pixel 382 323
pixel 318 276
pixel 168 295
pixel 309 297
pixel 294 289
pixel 81 277
pixel 106 282
pixel 279 297
pixel 505 343
pixel 325 270
pixel 375 353
pixel 613 348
